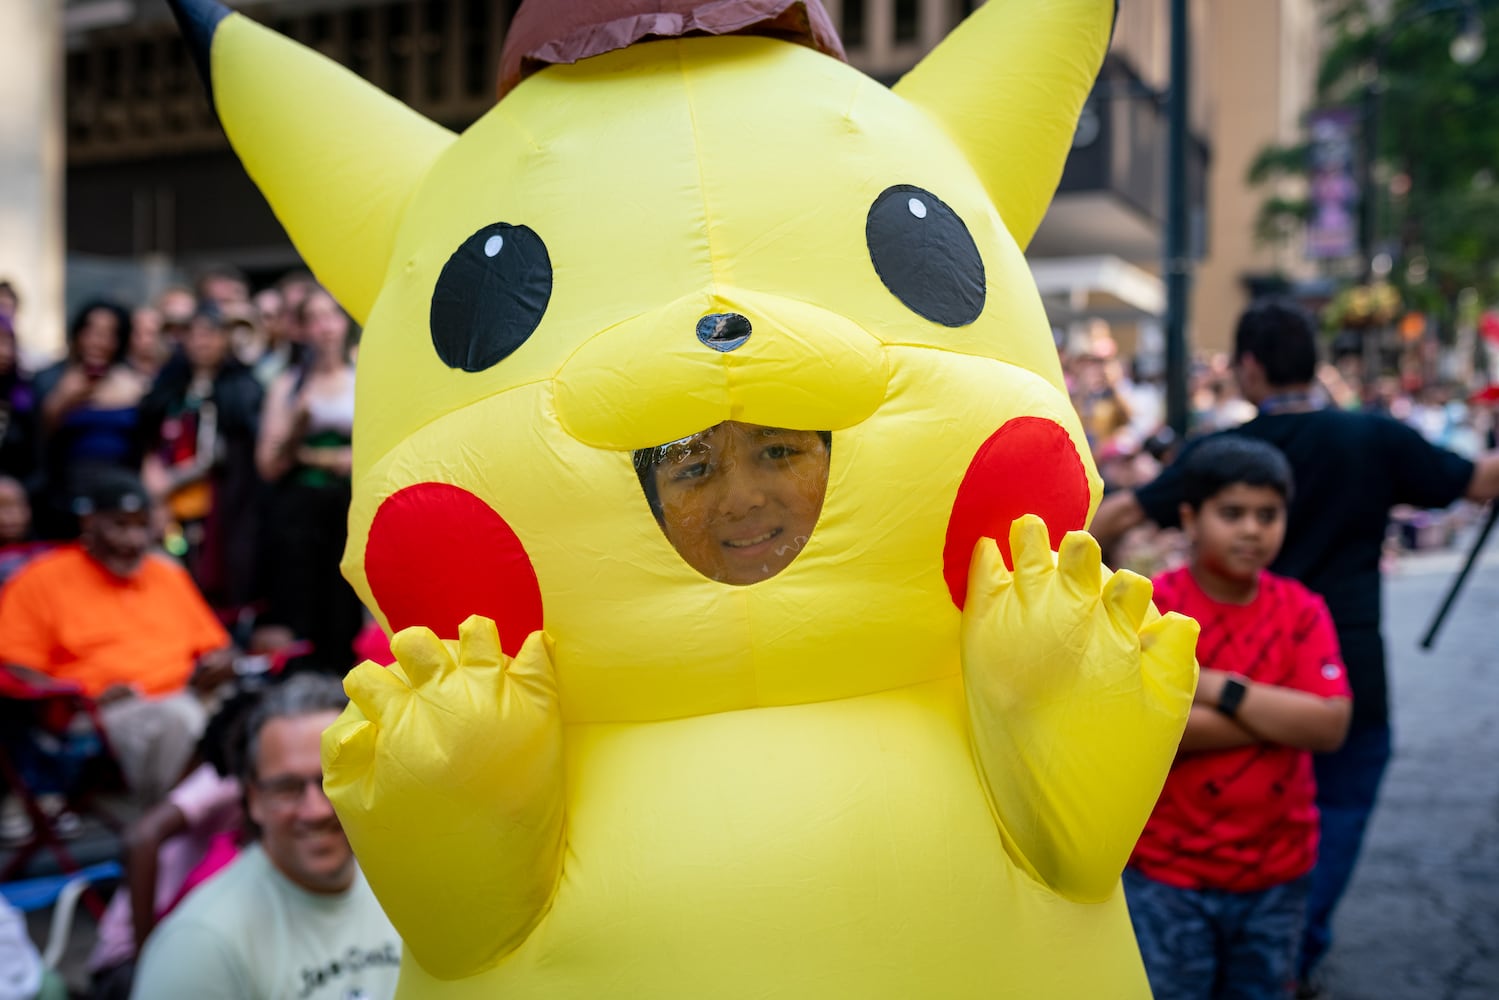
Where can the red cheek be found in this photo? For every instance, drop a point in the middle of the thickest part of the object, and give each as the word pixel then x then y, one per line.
pixel 1028 466
pixel 437 554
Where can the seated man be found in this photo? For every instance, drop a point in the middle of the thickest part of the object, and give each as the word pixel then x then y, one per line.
pixel 180 842
pixel 292 916
pixel 125 625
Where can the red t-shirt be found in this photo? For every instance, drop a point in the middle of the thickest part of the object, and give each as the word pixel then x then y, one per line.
pixel 1244 819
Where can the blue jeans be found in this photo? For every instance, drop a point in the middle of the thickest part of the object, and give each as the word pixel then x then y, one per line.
pixel 1210 944
pixel 1347 786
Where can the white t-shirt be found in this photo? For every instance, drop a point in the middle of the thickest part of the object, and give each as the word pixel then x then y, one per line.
pixel 251 934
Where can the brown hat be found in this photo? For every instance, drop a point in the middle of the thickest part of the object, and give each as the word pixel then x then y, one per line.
pixel 544 32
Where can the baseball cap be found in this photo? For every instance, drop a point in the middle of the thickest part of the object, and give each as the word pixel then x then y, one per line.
pixel 110 491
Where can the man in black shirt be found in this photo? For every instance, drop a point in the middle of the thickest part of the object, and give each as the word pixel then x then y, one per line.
pixel 1350 469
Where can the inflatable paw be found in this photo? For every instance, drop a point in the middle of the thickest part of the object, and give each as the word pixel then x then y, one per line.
pixel 701 367
pixel 501 782
pixel 1060 645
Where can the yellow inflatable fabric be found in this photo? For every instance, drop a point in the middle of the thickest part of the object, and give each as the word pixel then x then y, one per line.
pixel 894 766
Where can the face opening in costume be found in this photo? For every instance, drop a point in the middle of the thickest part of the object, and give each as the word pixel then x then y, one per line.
pixel 737 501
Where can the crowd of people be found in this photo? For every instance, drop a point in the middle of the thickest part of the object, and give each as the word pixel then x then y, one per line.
pixel 236 411
pixel 173 502
pixel 1122 405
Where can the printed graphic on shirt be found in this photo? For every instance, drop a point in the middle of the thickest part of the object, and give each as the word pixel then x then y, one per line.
pixel 353 961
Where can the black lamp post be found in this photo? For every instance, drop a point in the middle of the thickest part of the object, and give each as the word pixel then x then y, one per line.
pixel 1178 252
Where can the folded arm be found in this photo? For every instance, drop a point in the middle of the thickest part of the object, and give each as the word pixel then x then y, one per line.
pixel 1282 715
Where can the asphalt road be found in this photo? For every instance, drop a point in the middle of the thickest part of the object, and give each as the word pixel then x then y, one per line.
pixel 1421 919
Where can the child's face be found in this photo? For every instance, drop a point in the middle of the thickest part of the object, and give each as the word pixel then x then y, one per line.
pixel 739 501
pixel 1238 531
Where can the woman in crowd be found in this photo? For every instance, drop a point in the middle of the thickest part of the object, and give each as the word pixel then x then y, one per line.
pixel 88 413
pixel 148 349
pixel 199 423
pixel 304 452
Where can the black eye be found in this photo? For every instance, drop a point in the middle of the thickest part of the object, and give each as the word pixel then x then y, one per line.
pixel 925 256
pixel 490 296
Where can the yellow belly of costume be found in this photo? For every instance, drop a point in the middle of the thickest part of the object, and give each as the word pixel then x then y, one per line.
pixel 840 849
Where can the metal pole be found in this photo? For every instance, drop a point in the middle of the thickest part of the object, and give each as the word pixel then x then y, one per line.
pixel 1178 256
pixel 1430 638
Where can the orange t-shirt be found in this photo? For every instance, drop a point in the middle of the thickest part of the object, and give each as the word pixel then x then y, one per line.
pixel 66 616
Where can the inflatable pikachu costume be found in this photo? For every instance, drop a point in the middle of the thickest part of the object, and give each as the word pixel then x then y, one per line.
pixel 709 371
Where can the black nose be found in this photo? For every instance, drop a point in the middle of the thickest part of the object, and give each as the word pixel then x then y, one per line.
pixel 723 331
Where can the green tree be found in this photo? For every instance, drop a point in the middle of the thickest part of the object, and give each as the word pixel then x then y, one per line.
pixel 1437 133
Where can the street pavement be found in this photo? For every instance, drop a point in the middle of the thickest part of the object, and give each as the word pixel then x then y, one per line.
pixel 1421 918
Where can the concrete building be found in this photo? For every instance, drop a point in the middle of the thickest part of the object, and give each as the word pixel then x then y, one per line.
pixel 32 162
pixel 1253 78
pixel 153 192
pixel 1261 59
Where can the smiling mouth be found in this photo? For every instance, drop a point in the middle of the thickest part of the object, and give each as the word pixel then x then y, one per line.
pixel 749 543
pixel 322 839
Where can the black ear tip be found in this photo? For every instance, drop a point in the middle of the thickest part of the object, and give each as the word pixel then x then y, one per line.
pixel 198 20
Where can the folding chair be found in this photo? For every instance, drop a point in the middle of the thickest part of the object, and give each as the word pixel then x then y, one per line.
pixel 61 892
pixel 49 710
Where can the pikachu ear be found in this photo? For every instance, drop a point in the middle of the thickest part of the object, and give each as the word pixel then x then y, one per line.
pixel 336 157
pixel 1008 85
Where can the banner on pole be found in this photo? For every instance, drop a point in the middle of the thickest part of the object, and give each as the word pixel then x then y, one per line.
pixel 1332 227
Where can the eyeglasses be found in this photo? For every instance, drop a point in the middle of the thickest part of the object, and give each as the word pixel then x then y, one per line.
pixel 285 791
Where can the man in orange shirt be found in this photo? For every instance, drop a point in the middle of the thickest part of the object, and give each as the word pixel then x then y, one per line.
pixel 126 625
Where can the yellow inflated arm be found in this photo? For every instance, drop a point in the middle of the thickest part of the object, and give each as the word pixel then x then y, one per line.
pixel 1078 693
pixel 446 771
pixel 1008 85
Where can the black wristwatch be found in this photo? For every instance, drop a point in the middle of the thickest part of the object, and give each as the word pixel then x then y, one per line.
pixel 1232 695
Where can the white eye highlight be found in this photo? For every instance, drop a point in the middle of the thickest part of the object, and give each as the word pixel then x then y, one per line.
pixel 494 244
pixel 917 207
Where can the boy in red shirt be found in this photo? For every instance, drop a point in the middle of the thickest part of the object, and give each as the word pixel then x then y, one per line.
pixel 1217 884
